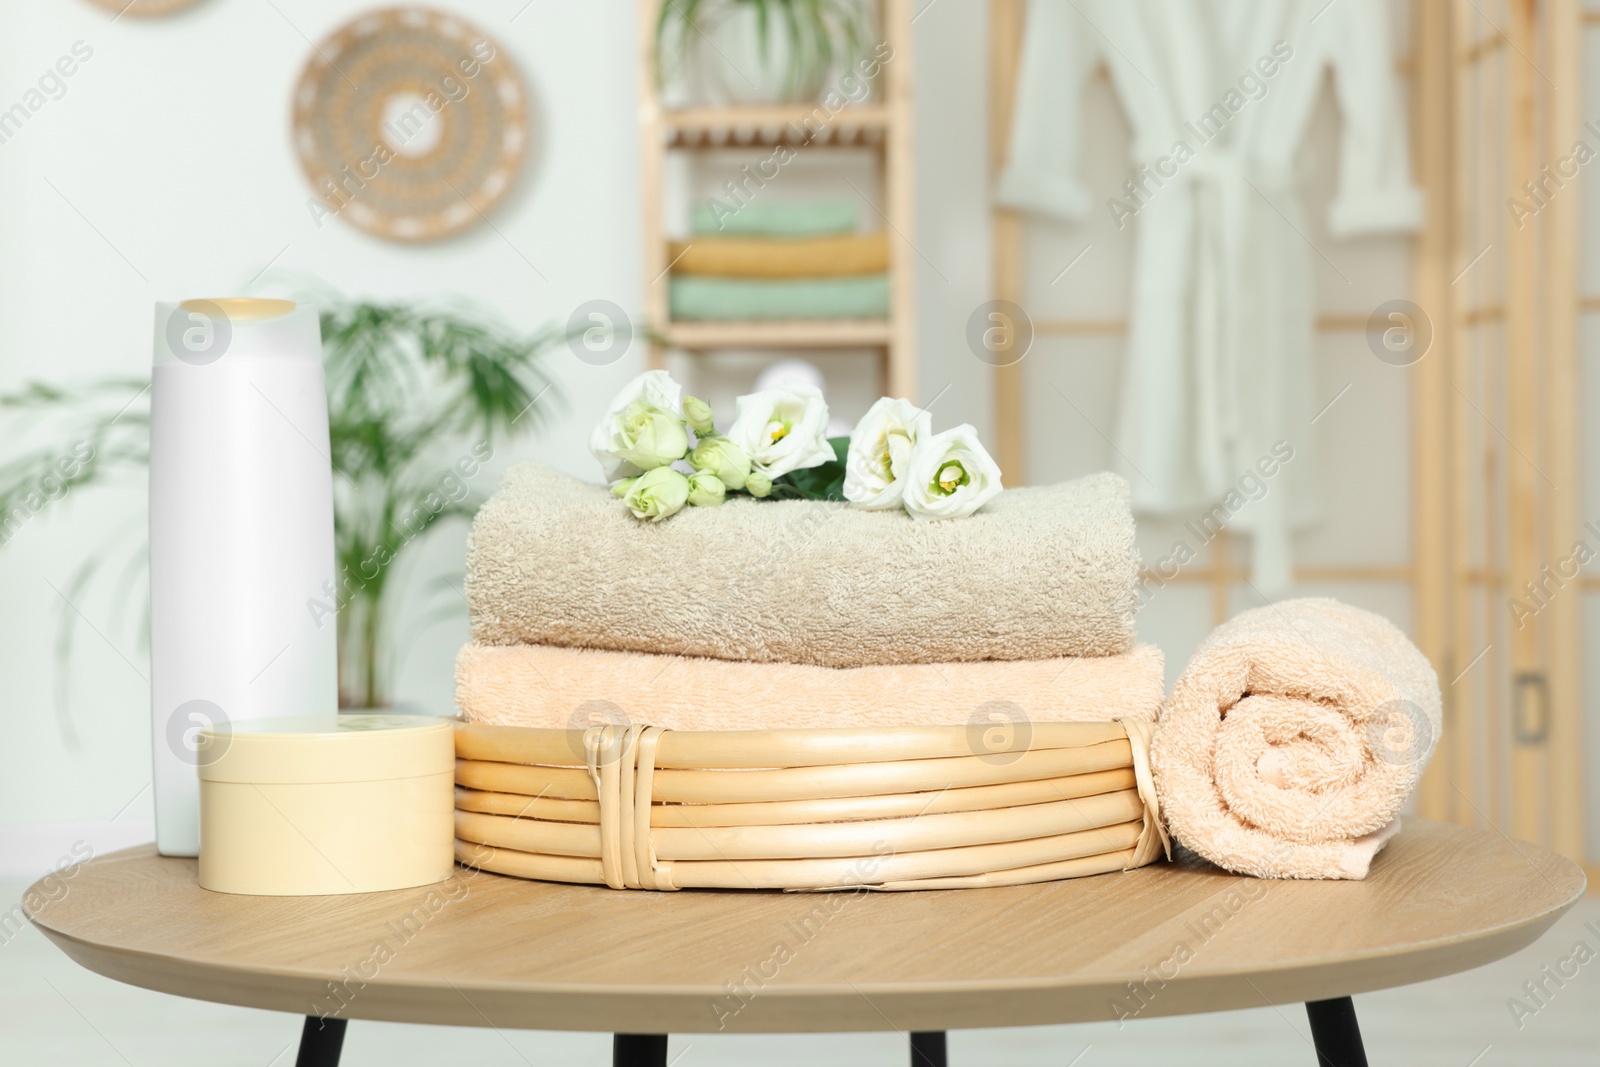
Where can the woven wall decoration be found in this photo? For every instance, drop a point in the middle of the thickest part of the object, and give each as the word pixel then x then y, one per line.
pixel 144 8
pixel 410 123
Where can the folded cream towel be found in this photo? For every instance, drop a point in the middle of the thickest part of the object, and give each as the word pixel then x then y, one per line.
pixel 1292 739
pixel 547 686
pixel 1039 573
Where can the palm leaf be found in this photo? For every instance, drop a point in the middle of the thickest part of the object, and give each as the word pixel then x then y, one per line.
pixel 820 34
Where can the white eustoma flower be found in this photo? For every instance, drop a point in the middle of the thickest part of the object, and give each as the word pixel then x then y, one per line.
pixel 657 494
pixel 880 452
pixel 643 428
pixel 950 475
pixel 782 429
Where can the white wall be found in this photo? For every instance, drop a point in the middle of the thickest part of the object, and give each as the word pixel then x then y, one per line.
pixel 173 176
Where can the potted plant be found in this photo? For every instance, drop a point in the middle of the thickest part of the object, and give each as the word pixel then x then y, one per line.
pixel 417 396
pixel 758 51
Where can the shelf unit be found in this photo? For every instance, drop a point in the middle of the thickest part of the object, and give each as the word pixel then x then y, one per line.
pixel 881 127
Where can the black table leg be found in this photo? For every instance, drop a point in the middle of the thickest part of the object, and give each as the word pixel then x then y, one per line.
pixel 1336 1033
pixel 927 1050
pixel 321 1041
pixel 639 1050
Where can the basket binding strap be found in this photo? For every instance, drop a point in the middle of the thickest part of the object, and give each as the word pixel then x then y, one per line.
pixel 621 763
pixel 601 746
pixel 627 768
pixel 653 874
pixel 1153 839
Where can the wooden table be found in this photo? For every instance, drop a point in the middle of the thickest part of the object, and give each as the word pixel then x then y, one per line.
pixel 482 950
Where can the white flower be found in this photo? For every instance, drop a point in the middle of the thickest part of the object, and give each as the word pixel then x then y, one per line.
pixel 782 429
pixel 880 452
pixel 657 494
pixel 642 428
pixel 950 475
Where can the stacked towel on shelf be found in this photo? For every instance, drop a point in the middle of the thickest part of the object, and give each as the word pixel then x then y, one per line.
pixel 795 257
pixel 864 296
pixel 1292 739
pixel 776 260
pixel 776 218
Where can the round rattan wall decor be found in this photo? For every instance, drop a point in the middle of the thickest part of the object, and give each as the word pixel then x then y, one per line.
pixel 410 123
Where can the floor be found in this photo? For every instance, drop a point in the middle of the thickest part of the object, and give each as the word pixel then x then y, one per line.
pixel 57 1013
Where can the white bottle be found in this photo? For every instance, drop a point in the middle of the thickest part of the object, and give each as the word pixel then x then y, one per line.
pixel 241 534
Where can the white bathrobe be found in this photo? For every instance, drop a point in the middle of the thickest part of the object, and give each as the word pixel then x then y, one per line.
pixel 1221 325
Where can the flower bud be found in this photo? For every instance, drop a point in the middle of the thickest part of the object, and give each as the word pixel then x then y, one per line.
pixel 720 456
pixel 698 414
pixel 706 490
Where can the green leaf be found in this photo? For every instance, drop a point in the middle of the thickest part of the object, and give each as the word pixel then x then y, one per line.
pixel 822 482
pixel 821 35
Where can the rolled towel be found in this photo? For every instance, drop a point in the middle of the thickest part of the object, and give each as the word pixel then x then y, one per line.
pixel 572 688
pixel 1040 573
pixel 1292 739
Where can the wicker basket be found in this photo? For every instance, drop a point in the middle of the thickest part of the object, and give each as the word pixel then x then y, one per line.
pixel 639 807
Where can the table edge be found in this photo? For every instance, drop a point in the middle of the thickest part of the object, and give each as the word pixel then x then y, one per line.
pixel 833 1008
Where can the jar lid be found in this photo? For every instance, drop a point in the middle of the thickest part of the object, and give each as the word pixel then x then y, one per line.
pixel 326 748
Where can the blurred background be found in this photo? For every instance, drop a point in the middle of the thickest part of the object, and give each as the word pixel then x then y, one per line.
pixel 1369 270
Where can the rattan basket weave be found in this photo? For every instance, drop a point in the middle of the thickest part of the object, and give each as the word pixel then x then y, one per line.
pixel 639 807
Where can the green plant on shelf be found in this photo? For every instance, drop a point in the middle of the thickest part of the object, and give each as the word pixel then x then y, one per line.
pixel 406 384
pixel 799 42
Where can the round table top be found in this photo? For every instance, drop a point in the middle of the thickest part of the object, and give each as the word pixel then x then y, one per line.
pixel 483 950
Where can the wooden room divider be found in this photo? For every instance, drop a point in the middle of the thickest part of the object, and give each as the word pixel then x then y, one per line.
pixel 1498 572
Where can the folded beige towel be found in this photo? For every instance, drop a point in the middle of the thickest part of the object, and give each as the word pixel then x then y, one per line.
pixel 1039 573
pixel 1292 739
pixel 547 686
